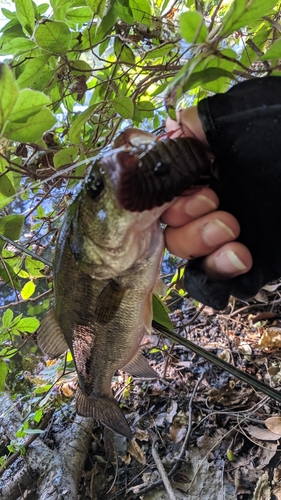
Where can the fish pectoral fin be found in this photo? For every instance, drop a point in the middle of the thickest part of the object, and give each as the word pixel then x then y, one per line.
pixel 50 337
pixel 138 366
pixel 108 301
pixel 105 410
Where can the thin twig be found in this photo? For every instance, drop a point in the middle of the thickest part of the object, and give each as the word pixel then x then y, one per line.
pixel 189 428
pixel 32 299
pixel 161 470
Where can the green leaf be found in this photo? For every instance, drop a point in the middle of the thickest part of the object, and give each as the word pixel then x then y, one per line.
pixel 97 6
pixel 42 389
pixel 80 15
pixel 6 187
pixel 159 52
pixel 25 14
pixel 127 55
pixel 11 225
pixel 29 103
pixel 7 318
pixel 146 108
pixel 54 36
pixel 65 156
pixel 33 431
pixel 160 312
pixel 8 13
pixel 79 122
pixel 28 325
pixel 193 28
pixel 32 71
pixel 17 46
pixel 38 415
pixel 141 11
pixel 3 374
pixel 274 52
pixel 242 13
pixel 124 106
pixel 33 129
pixel 28 290
pixel 8 275
pixel 34 267
pixel 8 94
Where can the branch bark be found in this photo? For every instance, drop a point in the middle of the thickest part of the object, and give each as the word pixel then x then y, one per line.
pixel 57 472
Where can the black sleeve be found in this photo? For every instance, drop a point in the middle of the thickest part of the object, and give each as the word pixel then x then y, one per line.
pixel 243 127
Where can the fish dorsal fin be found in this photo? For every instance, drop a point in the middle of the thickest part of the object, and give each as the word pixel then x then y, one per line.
pixel 50 337
pixel 138 366
pixel 108 301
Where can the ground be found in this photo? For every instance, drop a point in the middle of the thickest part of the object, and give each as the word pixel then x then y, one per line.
pixel 204 433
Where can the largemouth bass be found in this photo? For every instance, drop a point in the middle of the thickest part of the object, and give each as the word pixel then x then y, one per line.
pixel 107 261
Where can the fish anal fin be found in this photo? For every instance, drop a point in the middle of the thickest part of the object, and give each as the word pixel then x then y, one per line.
pixel 108 301
pixel 50 337
pixel 105 410
pixel 138 366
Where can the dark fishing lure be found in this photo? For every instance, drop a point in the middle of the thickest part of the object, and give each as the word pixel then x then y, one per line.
pixel 154 173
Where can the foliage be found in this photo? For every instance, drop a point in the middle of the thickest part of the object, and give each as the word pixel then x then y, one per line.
pixel 75 73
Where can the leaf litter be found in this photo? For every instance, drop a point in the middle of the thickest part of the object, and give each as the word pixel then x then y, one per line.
pixel 199 433
pixel 214 436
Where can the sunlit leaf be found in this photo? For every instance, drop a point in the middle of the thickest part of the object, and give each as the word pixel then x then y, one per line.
pixel 79 15
pixel 17 46
pixel 124 106
pixel 78 124
pixel 97 6
pixel 274 52
pixel 3 374
pixel 29 103
pixel 28 325
pixel 193 28
pixel 32 71
pixel 7 317
pixel 32 129
pixel 65 156
pixel 28 290
pixel 141 10
pixel 54 36
pixel 159 52
pixel 243 12
pixel 160 312
pixel 8 94
pixel 25 14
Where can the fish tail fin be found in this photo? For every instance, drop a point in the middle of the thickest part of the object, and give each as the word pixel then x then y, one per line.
pixel 106 410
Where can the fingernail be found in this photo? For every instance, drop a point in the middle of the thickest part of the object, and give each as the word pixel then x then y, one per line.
pixel 217 232
pixel 198 205
pixel 229 262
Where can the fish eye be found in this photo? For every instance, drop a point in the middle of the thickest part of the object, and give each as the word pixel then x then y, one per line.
pixel 95 186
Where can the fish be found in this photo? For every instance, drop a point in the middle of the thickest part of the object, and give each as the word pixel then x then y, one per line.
pixel 106 265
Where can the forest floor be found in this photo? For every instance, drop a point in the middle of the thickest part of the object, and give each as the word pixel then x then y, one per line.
pixel 199 433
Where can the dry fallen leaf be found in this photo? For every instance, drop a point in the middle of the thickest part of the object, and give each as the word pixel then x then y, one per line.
pixel 178 427
pixel 262 434
pixel 271 338
pixel 136 452
pixel 274 424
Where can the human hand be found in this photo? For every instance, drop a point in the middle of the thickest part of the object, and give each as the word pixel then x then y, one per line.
pixel 195 228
